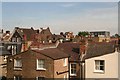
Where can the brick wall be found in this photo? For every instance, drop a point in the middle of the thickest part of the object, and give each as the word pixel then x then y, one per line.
pixel 29 66
pixel 60 68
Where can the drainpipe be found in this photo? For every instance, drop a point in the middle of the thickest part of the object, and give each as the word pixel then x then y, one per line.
pixel 69 67
pixel 81 71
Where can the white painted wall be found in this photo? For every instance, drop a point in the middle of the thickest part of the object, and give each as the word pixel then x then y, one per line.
pixel 0 67
pixel 111 66
pixel 119 64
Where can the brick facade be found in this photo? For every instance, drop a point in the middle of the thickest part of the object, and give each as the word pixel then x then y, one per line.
pixel 29 66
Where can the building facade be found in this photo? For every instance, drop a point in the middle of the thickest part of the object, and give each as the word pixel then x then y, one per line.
pixel 102 62
pixel 38 64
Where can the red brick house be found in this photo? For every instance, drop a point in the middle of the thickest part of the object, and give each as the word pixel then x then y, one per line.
pixel 38 64
pixel 23 35
pixel 72 49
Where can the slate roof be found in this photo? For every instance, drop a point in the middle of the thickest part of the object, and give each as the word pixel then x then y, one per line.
pixel 53 53
pixel 70 48
pixel 99 49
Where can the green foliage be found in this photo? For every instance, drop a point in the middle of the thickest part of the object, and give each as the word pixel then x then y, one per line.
pixel 84 33
pixel 117 35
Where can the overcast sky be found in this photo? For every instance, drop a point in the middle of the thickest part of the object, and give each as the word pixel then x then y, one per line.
pixel 61 16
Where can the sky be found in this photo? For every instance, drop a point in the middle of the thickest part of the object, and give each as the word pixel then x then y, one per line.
pixel 61 16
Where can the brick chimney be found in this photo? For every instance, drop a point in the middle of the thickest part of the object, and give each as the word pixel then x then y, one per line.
pixel 7 33
pixel 2 31
pixel 83 48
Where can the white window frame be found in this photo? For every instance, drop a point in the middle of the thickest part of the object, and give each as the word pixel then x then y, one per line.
pixel 64 77
pixel 15 77
pixel 38 67
pixel 16 66
pixel 71 74
pixel 65 61
pixel 99 71
pixel 14 49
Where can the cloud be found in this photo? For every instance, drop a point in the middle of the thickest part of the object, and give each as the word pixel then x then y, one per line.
pixel 67 5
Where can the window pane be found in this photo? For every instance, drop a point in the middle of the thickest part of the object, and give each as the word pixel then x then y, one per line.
pixel 41 78
pixel 101 62
pixel 18 77
pixel 18 63
pixel 97 67
pixel 73 68
pixel 97 62
pixel 101 67
pixel 40 63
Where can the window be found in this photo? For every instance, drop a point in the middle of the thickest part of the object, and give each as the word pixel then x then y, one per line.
pixel 17 64
pixel 19 39
pixel 17 77
pixel 13 39
pixel 73 69
pixel 40 64
pixel 66 77
pixel 14 49
pixel 65 62
pixel 40 78
pixel 99 65
pixel 5 58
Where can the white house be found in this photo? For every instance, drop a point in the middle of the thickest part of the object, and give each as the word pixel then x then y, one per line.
pixel 102 62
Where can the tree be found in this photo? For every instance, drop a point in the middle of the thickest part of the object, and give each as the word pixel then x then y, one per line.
pixel 117 35
pixel 84 33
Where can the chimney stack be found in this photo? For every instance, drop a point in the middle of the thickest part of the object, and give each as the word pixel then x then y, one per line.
pixel 38 31
pixel 2 30
pixel 7 32
pixel 32 28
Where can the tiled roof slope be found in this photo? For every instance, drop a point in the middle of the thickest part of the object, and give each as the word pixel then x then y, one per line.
pixel 53 53
pixel 70 48
pixel 29 33
pixel 99 49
